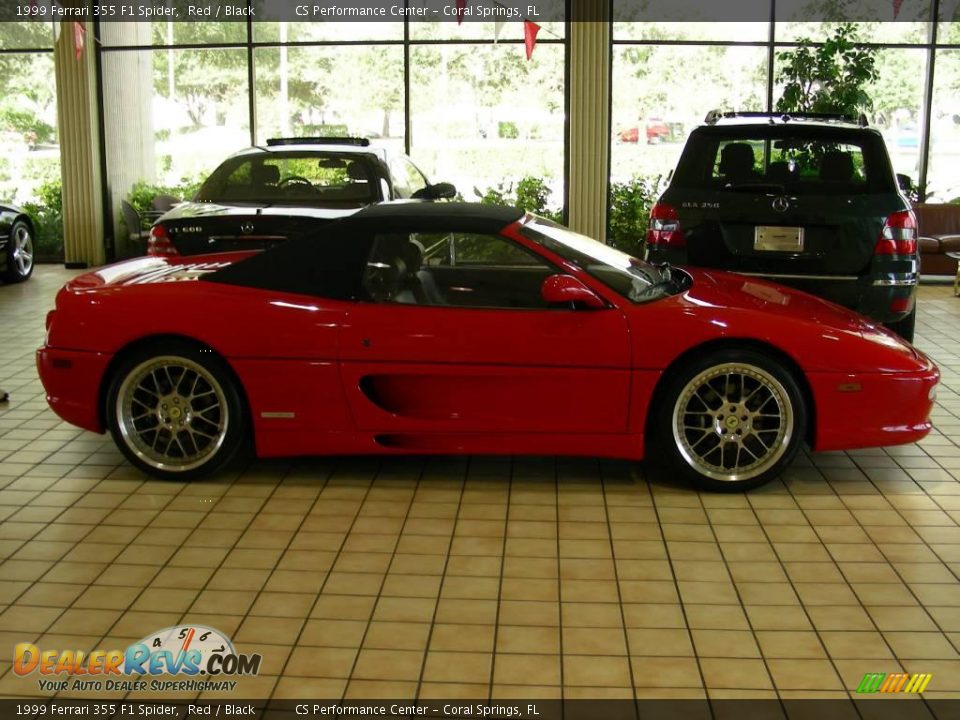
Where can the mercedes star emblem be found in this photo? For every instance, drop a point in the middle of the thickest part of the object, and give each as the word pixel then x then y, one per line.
pixel 780 203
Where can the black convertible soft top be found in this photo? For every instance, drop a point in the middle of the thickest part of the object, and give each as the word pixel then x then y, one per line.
pixel 330 262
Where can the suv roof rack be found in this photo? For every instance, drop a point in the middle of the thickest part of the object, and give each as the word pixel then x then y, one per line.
pixel 714 115
pixel 355 141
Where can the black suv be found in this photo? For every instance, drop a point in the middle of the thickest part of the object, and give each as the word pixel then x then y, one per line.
pixel 809 201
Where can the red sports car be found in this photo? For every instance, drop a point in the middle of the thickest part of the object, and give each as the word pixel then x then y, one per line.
pixel 457 328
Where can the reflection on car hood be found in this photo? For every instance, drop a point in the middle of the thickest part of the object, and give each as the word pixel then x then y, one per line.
pixel 199 210
pixel 733 291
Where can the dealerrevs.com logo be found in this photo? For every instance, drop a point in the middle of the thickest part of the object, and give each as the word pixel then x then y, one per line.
pixel 193 651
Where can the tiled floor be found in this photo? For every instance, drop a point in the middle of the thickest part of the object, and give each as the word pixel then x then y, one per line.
pixel 487 577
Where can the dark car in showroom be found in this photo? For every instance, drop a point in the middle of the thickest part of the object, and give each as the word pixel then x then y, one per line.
pixel 809 201
pixel 265 195
pixel 16 244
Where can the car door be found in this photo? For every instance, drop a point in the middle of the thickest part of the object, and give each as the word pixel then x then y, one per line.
pixel 456 338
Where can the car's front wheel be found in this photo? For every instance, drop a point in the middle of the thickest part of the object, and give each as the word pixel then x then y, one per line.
pixel 175 412
pixel 19 253
pixel 729 421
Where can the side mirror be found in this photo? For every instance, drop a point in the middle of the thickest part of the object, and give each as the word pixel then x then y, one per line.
pixel 566 289
pixel 437 191
pixel 904 182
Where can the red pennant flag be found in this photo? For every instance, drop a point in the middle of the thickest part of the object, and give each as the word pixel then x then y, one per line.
pixel 530 30
pixel 78 32
pixel 461 4
pixel 896 8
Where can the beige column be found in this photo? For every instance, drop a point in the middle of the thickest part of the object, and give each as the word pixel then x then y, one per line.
pixel 78 120
pixel 588 112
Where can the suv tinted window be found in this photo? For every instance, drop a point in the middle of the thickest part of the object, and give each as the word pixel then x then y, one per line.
pixel 791 157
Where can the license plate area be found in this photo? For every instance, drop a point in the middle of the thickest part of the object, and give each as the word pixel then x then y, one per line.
pixel 775 238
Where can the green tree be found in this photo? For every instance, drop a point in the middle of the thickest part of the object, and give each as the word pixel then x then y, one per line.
pixel 831 77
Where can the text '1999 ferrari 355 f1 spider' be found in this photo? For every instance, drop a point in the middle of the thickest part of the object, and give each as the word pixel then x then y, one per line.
pixel 458 328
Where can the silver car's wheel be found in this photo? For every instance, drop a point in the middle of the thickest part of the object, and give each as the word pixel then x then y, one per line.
pixel 176 414
pixel 730 420
pixel 20 252
pixel 733 421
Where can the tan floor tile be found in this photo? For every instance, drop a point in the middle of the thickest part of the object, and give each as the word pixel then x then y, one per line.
pixel 527 670
pixel 320 662
pixel 85 621
pixel 527 640
pixel 725 643
pixel 380 689
pixel 917 645
pixel 46 594
pixel 397 636
pixel 458 667
pixel 716 617
pixel 665 672
pixel 279 604
pixel 343 607
pixel 659 642
pixel 388 665
pixel 653 615
pixel 27 619
pixel 483 612
pixel 790 644
pixel 804 675
pixel 405 609
pixel 735 673
pixel 594 641
pixel 283 631
pixel 526 612
pixel 227 602
pixel 855 645
pixel 163 599
pixel 295 581
pixel 596 671
pixel 294 688
pixel 827 617
pixel 462 638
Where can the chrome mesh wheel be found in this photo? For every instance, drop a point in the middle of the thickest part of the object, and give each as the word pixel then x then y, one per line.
pixel 172 413
pixel 733 421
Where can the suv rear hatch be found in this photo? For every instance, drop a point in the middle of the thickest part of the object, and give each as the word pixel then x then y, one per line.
pixel 784 201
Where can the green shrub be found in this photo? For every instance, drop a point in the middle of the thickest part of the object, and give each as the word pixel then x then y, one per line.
pixel 26 123
pixel 47 216
pixel 507 130
pixel 142 193
pixel 630 204
pixel 328 130
pixel 529 193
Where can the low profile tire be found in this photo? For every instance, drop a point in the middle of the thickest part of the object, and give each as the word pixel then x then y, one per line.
pixel 905 328
pixel 19 253
pixel 728 422
pixel 175 411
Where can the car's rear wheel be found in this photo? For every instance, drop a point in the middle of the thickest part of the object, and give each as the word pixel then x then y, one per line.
pixel 175 412
pixel 19 253
pixel 906 327
pixel 729 421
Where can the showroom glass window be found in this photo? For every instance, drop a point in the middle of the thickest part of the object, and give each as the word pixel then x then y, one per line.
pixel 667 75
pixel 29 145
pixel 467 106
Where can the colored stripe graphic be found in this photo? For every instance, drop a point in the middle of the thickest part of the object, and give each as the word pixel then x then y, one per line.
pixel 894 682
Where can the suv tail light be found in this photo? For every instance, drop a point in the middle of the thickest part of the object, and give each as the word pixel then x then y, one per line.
pixel 160 243
pixel 665 227
pixel 899 235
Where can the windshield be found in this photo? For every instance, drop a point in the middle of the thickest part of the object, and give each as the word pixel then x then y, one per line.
pixel 323 179
pixel 636 280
